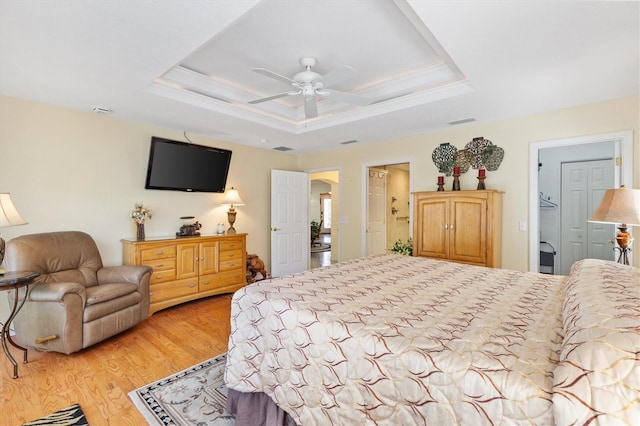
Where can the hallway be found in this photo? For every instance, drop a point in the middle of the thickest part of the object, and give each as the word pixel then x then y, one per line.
pixel 321 256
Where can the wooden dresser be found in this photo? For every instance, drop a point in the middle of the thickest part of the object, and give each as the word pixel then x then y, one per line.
pixel 189 268
pixel 462 226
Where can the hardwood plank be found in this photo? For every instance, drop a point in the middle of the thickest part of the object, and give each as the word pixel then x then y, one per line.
pixel 100 377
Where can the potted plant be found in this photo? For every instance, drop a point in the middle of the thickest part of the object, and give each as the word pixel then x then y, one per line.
pixel 402 248
pixel 315 231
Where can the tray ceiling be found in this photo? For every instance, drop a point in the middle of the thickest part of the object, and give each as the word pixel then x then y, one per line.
pixel 424 64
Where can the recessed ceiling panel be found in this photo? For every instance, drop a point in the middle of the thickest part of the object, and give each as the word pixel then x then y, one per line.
pixel 394 55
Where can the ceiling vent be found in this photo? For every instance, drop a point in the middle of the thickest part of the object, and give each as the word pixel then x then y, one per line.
pixel 101 110
pixel 464 120
pixel 348 142
pixel 283 148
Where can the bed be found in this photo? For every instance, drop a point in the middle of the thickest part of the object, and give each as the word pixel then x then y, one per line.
pixel 401 340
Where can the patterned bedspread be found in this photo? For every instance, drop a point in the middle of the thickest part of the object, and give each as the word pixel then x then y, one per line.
pixel 598 378
pixel 400 340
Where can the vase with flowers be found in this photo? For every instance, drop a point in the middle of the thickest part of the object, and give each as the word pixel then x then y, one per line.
pixel 140 214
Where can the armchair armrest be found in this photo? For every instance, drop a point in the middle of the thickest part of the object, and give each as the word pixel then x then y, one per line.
pixel 124 274
pixel 55 292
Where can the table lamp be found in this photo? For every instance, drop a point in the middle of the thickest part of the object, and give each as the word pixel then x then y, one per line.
pixel 621 206
pixel 9 216
pixel 231 198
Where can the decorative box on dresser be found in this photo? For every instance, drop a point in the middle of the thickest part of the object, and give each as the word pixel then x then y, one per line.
pixel 461 226
pixel 188 268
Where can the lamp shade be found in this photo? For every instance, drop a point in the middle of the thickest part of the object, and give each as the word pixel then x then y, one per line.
pixel 9 216
pixel 620 205
pixel 232 197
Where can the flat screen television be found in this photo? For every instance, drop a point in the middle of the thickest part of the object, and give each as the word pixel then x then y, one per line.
pixel 180 166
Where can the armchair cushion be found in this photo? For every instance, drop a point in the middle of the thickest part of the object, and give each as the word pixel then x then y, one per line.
pixel 106 292
pixel 105 299
pixel 57 256
pixel 75 298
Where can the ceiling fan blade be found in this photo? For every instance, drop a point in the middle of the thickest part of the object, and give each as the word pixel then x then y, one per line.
pixel 268 98
pixel 277 76
pixel 337 76
pixel 310 107
pixel 347 97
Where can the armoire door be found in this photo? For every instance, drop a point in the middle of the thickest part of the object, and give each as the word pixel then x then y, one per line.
pixel 431 234
pixel 468 230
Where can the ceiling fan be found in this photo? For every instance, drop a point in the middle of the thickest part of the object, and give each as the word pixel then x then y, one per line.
pixel 309 83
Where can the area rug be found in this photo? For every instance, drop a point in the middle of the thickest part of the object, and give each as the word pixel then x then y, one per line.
pixel 70 416
pixel 322 247
pixel 195 396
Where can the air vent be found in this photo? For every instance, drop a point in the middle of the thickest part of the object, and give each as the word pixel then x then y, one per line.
pixel 101 110
pixel 464 120
pixel 283 148
pixel 348 142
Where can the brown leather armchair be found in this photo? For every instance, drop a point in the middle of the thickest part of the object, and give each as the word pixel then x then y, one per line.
pixel 75 302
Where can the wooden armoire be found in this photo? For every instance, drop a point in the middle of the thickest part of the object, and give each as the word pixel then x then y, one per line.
pixel 461 226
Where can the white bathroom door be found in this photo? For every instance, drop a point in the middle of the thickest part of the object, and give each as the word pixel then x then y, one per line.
pixel 290 226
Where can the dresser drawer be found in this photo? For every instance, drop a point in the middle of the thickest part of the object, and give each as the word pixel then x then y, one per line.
pixel 161 264
pixel 231 255
pixel 228 265
pixel 231 244
pixel 163 276
pixel 158 252
pixel 221 279
pixel 166 291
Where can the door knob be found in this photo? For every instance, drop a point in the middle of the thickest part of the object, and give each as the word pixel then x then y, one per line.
pixel 275 229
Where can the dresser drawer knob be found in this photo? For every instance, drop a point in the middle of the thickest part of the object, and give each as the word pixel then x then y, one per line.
pixel 160 252
pixel 192 285
pixel 159 265
pixel 159 277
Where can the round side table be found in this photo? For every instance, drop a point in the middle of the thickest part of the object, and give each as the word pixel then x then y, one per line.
pixel 14 281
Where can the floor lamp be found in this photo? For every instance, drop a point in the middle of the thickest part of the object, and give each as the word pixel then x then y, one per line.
pixel 9 216
pixel 620 206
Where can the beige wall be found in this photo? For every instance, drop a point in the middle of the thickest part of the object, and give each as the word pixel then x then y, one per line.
pixel 514 135
pixel 75 170
pixel 69 170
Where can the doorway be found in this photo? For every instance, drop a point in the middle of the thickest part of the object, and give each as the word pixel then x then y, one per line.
pixel 325 213
pixel 388 206
pixel 548 244
pixel 323 209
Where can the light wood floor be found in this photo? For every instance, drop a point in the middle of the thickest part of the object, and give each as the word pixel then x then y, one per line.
pixel 99 377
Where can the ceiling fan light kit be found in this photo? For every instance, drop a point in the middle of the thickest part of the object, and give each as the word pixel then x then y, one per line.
pixel 309 84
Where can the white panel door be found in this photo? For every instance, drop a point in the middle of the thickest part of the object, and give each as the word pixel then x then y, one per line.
pixel 583 185
pixel 600 234
pixel 290 226
pixel 376 213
